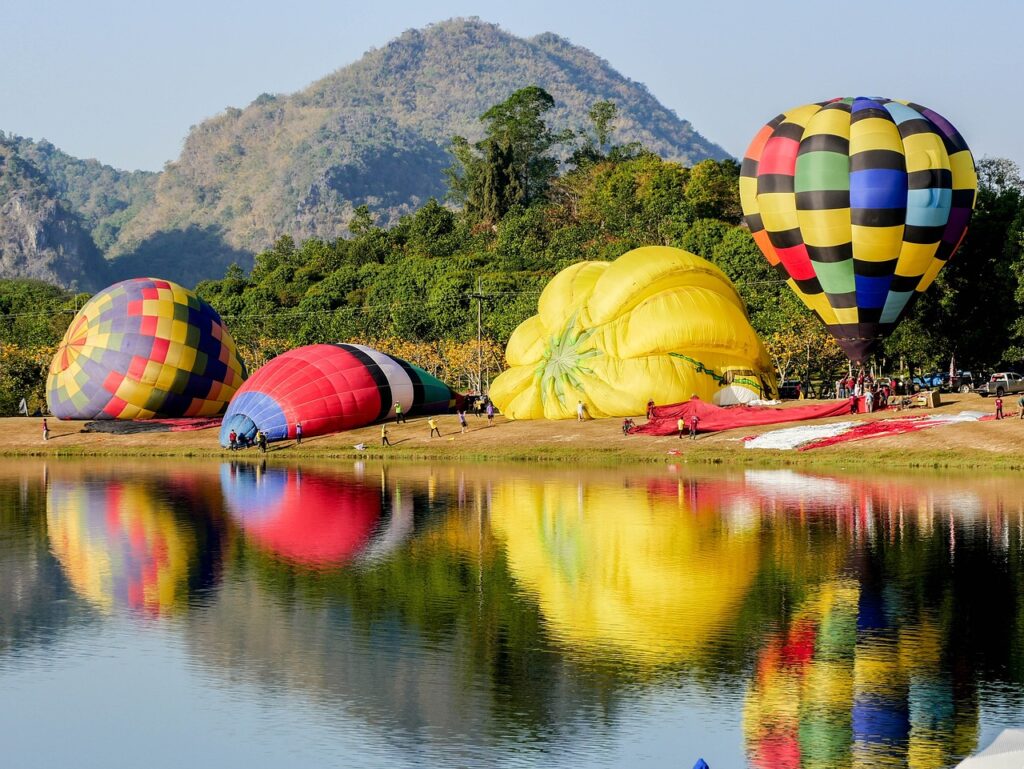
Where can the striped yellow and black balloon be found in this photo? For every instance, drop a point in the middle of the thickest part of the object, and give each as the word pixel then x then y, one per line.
pixel 858 202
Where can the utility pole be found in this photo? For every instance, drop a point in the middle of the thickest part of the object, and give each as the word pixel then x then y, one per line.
pixel 479 296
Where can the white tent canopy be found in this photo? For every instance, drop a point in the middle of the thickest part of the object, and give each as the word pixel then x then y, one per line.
pixel 1005 752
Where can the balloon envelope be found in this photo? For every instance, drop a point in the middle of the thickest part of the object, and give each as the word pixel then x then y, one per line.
pixel 858 203
pixel 330 387
pixel 658 324
pixel 144 348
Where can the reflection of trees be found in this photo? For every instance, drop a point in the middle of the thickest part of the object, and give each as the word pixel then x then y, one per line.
pixel 861 616
pixel 36 603
pixel 427 639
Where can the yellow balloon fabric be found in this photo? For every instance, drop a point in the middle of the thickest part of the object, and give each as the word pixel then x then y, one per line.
pixel 658 324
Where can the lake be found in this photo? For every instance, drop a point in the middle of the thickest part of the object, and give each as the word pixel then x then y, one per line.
pixel 173 613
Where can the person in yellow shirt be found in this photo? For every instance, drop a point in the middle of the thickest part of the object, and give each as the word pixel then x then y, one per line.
pixel 681 426
pixel 433 427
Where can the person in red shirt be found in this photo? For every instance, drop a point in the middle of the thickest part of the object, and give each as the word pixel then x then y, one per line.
pixel 999 407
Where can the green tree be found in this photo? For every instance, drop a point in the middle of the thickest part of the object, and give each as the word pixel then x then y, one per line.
pixel 514 163
pixel 518 124
pixel 602 115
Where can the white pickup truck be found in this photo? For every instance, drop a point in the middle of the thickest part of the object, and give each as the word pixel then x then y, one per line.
pixel 1004 384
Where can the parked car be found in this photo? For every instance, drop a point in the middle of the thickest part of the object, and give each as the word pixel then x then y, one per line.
pixel 1004 383
pixel 965 381
pixel 931 381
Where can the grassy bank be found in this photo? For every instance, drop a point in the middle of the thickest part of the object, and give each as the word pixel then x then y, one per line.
pixel 988 445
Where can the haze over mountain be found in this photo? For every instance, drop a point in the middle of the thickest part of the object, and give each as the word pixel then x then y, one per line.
pixel 374 133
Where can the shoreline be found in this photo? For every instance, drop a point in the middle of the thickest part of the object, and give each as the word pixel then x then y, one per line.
pixel 993 445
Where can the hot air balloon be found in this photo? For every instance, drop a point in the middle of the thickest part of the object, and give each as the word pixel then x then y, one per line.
pixel 144 348
pixel 657 323
pixel 331 387
pixel 858 203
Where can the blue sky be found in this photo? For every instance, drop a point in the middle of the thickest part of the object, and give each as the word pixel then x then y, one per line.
pixel 123 82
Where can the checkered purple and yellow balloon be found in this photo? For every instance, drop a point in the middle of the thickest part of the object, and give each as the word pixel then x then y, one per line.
pixel 142 349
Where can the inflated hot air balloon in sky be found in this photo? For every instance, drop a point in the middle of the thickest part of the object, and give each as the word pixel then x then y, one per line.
pixel 144 348
pixel 657 323
pixel 331 387
pixel 858 203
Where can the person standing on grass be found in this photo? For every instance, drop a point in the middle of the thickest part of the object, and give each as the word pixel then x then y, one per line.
pixel 46 431
pixel 1020 405
pixel 463 427
pixel 999 407
pixel 399 416
pixel 490 413
pixel 384 435
pixel 261 441
pixel 580 411
pixel 694 419
pixel 433 427
pixel 298 433
pixel 233 440
pixel 681 426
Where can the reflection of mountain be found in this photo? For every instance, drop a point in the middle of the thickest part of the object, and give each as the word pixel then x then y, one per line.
pixel 139 543
pixel 419 692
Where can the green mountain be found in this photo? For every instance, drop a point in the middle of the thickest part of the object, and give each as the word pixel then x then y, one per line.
pixel 40 236
pixel 103 197
pixel 373 133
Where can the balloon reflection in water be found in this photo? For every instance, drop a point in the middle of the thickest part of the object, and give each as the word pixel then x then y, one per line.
pixel 861 675
pixel 641 573
pixel 122 545
pixel 308 518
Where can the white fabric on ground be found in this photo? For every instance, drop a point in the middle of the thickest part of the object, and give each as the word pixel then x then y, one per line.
pixel 791 437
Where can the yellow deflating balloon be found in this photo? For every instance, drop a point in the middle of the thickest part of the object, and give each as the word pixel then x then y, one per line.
pixel 658 324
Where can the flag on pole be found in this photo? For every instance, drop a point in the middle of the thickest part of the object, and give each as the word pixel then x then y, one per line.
pixel 23 407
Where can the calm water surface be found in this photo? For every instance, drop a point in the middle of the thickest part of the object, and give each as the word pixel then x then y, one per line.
pixel 168 614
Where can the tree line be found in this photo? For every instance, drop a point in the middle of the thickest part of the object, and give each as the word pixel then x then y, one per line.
pixel 525 202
